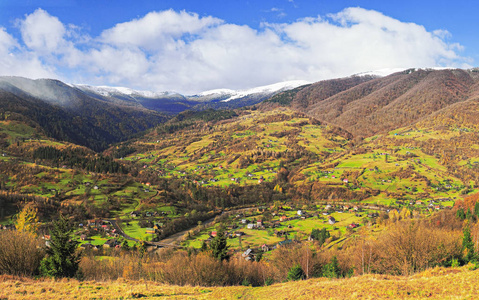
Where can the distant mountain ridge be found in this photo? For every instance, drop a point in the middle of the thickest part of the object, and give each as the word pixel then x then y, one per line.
pixel 172 102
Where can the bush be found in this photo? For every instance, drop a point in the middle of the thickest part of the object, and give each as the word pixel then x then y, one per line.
pixel 20 253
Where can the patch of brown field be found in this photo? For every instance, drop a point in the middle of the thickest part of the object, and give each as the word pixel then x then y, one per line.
pixel 437 283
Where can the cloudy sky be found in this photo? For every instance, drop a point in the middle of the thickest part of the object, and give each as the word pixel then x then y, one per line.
pixel 192 46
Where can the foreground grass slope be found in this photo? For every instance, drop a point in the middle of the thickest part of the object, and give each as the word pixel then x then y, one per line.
pixel 437 283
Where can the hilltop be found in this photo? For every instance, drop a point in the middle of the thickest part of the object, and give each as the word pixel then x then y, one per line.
pixel 437 283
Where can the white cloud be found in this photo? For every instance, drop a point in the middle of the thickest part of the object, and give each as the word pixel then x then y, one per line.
pixel 184 52
pixel 41 32
pixel 157 28
pixel 15 61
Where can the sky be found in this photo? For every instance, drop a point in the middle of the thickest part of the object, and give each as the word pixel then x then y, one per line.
pixel 192 46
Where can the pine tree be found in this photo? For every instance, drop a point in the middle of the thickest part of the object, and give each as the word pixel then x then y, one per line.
pixel 219 247
pixel 296 273
pixel 62 258
pixel 468 245
pixel 332 270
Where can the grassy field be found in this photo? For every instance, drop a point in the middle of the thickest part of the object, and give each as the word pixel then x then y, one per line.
pixel 437 283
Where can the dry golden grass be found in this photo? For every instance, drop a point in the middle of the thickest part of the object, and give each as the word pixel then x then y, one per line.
pixel 437 283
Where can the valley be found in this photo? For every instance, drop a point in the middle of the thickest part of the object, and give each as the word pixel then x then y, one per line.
pixel 283 181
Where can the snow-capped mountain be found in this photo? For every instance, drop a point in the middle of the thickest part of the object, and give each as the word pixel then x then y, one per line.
pixel 262 90
pixel 174 102
pixel 108 91
pixel 211 95
pixel 69 95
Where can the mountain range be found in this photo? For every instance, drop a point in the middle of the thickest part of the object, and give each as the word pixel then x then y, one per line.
pixel 364 105
pixel 98 116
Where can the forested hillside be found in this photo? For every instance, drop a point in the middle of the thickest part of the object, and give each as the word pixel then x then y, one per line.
pixel 366 106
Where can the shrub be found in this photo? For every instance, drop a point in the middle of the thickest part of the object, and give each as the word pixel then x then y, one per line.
pixel 20 253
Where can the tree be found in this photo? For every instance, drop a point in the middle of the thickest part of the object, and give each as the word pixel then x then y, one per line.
pixel 332 270
pixel 219 247
pixel 62 257
pixel 320 235
pixel 296 273
pixel 468 245
pixel 27 219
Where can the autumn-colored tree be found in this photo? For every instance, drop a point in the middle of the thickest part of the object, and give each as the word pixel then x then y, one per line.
pixel 27 219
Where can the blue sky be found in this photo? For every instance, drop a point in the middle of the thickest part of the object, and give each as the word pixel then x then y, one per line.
pixel 192 46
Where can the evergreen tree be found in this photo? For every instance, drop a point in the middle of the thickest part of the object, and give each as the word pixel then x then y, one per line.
pixel 219 247
pixel 332 270
pixel 296 273
pixel 62 258
pixel 320 235
pixel 468 245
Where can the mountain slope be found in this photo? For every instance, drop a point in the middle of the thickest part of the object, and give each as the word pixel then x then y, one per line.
pixel 369 105
pixel 66 113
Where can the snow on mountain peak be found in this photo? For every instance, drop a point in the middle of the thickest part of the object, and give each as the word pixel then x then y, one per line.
pixel 272 88
pixel 109 91
pixel 226 94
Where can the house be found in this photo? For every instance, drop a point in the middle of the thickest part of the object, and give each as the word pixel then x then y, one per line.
pixel 248 254
pixel 331 221
pixel 86 246
pixel 244 221
pixel 214 233
pixel 353 225
pixel 239 233
pixel 111 243
pixel 299 212
pixel 283 218
pixel 259 223
pixel 284 243
pixel 135 214
pixel 83 237
pixel 345 180
pixel 94 223
pixel 250 226
pixel 265 248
